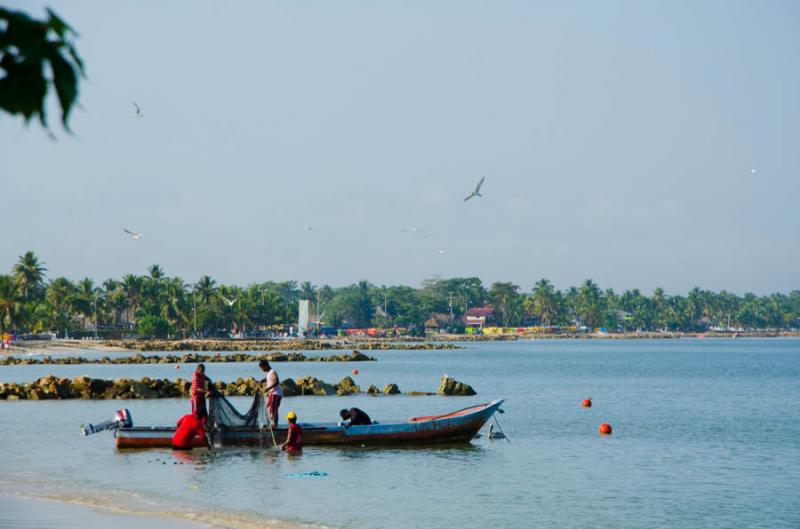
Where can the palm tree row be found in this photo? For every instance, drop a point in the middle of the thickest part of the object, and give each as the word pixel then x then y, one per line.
pixel 157 305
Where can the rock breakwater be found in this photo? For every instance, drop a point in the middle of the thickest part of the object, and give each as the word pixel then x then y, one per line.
pixel 60 388
pixel 189 358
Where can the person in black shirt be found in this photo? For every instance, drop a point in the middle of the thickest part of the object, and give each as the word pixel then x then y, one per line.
pixel 355 416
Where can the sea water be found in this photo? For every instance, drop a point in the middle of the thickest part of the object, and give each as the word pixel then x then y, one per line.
pixel 706 434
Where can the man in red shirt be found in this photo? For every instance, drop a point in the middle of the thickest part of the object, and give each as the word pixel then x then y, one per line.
pixel 294 439
pixel 189 427
pixel 198 392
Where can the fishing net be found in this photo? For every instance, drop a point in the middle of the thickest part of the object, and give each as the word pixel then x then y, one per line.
pixel 224 418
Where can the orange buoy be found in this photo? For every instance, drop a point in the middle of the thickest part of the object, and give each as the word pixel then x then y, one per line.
pixel 587 403
pixel 355 371
pixel 605 429
pixel 177 366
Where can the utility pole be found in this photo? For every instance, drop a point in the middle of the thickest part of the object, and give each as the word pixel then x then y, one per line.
pixel 450 304
pixel 319 319
pixel 385 314
pixel 95 315
pixel 194 313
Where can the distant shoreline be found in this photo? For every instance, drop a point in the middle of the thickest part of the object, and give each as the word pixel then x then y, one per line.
pixel 431 342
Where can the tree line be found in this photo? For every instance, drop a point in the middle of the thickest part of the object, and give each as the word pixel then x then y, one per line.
pixel 155 305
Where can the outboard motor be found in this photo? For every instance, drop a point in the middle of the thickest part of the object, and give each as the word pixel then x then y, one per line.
pixel 121 419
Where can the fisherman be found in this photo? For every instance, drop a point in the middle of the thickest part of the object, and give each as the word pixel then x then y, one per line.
pixel 355 416
pixel 294 438
pixel 273 389
pixel 189 427
pixel 200 388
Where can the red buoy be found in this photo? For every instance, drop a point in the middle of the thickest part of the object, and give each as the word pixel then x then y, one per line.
pixel 177 366
pixel 605 429
pixel 355 371
pixel 587 403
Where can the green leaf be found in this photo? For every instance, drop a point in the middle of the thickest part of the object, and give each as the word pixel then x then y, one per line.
pixel 25 45
pixel 66 84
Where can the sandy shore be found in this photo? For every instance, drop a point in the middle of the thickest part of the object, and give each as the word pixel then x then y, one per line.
pixel 28 513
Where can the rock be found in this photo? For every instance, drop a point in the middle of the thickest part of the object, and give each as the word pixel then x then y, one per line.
pixel 452 387
pixel 372 390
pixel 358 356
pixel 347 387
pixel 313 386
pixel 290 388
pixel 391 389
pixel 419 393
pixel 142 390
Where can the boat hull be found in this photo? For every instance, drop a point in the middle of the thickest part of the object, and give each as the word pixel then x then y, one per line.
pixel 461 425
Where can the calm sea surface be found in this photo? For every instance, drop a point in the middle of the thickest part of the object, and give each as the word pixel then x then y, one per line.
pixel 706 435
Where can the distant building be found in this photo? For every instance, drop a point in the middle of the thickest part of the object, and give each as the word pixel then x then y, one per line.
pixel 479 317
pixel 437 322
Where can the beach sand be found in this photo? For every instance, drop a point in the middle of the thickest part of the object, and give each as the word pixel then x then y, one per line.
pixel 26 513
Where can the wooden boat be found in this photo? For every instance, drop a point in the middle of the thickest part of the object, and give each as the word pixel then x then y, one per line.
pixel 460 425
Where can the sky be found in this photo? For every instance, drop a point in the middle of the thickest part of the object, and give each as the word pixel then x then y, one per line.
pixel 640 144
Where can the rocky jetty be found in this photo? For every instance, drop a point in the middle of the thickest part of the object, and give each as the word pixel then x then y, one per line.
pixel 267 345
pixel 56 388
pixel 189 358
pixel 452 387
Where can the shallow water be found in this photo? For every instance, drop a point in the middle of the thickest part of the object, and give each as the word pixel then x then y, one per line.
pixel 706 434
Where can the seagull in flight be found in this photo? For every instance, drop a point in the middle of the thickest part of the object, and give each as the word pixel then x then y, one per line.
pixel 133 234
pixel 415 231
pixel 753 170
pixel 477 192
pixel 229 302
pixel 307 227
pixel 138 111
pixel 440 252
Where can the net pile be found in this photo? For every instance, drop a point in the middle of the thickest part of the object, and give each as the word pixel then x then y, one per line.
pixel 224 417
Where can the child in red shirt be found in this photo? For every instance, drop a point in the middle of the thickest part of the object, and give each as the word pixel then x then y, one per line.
pixel 294 440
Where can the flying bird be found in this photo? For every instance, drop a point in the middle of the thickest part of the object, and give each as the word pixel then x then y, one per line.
pixel 138 111
pixel 440 252
pixel 307 227
pixel 415 231
pixel 477 192
pixel 229 302
pixel 135 235
pixel 753 170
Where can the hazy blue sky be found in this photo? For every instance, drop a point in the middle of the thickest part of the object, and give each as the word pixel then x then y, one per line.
pixel 617 140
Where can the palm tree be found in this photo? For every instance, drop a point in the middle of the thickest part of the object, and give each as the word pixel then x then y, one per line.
pixel 156 272
pixel 206 289
pixel 11 303
pixel 307 290
pixel 589 304
pixel 175 308
pixel 115 299
pixel 83 300
pixel 29 274
pixel 132 286
pixel 59 296
pixel 660 305
pixel 505 298
pixel 544 303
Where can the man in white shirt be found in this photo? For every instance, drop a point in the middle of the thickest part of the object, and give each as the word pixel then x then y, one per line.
pixel 274 391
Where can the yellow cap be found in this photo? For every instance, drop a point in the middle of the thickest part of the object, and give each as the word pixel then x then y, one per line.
pixel 291 415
